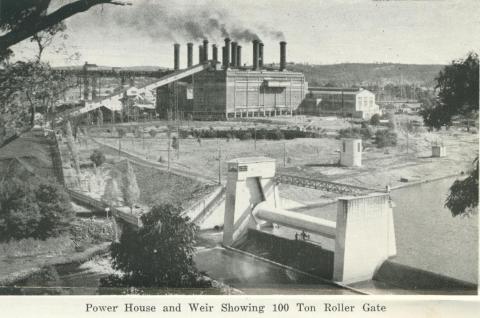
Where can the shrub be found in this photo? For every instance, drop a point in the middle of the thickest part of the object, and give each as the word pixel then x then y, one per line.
pixel 121 132
pixel 385 138
pixel 375 120
pixel 245 135
pixel 360 133
pixel 152 133
pixel 97 157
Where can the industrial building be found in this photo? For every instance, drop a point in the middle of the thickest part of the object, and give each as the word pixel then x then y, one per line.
pixel 232 90
pixel 350 102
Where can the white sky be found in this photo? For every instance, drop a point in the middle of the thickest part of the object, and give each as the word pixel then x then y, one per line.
pixel 317 31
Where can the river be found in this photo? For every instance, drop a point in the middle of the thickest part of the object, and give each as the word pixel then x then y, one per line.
pixel 428 237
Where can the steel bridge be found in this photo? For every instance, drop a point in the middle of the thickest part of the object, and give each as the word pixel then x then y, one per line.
pixel 323 185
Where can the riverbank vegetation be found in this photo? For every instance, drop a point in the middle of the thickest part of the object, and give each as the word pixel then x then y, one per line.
pixel 29 210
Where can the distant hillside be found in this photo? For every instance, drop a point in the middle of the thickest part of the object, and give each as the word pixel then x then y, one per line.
pixel 350 74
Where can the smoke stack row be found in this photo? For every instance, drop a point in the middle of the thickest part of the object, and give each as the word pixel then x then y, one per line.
pixel 231 54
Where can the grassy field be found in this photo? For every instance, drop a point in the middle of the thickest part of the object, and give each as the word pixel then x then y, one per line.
pixel 318 157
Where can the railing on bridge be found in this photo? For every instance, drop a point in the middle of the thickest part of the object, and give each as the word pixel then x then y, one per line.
pixel 201 209
pixel 328 186
pixel 130 218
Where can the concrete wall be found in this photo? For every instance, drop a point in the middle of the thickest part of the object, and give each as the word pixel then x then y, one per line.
pixel 249 182
pixel 365 237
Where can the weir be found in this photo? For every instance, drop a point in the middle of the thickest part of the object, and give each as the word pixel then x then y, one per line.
pixel 363 231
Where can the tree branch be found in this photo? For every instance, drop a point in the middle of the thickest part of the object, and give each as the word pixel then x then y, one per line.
pixel 68 10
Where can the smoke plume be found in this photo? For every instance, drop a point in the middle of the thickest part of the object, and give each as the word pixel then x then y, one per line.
pixel 161 20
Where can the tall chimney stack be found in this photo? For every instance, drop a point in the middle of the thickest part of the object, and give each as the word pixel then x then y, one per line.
pixel 189 54
pixel 214 53
pixel 283 55
pixel 234 54
pixel 255 54
pixel 260 55
pixel 176 56
pixel 205 50
pixel 227 53
pixel 224 63
pixel 239 56
pixel 200 54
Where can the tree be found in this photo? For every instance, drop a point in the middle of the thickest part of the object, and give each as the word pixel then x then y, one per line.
pixel 32 210
pixel 71 145
pixel 375 120
pixel 131 192
pixel 25 89
pixel 159 254
pixel 45 38
pixel 99 117
pixel 55 210
pixel 20 20
pixel 457 86
pixel 111 193
pixel 463 196
pixel 175 143
pixel 97 157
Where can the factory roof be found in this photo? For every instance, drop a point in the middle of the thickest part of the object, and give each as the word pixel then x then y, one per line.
pixel 338 90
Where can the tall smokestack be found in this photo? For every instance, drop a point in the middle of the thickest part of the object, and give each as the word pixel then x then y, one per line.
pixel 227 52
pixel 239 56
pixel 205 50
pixel 255 54
pixel 189 54
pixel 260 55
pixel 224 62
pixel 200 54
pixel 283 55
pixel 214 53
pixel 234 55
pixel 176 56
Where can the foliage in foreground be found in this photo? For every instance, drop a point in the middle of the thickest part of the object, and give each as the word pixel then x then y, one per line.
pixel 457 86
pixel 159 254
pixel 37 211
pixel 463 196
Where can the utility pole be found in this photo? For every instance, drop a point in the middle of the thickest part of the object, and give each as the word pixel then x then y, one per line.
pixel 255 136
pixel 408 126
pixel 168 156
pixel 284 154
pixel 219 163
pixel 143 138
